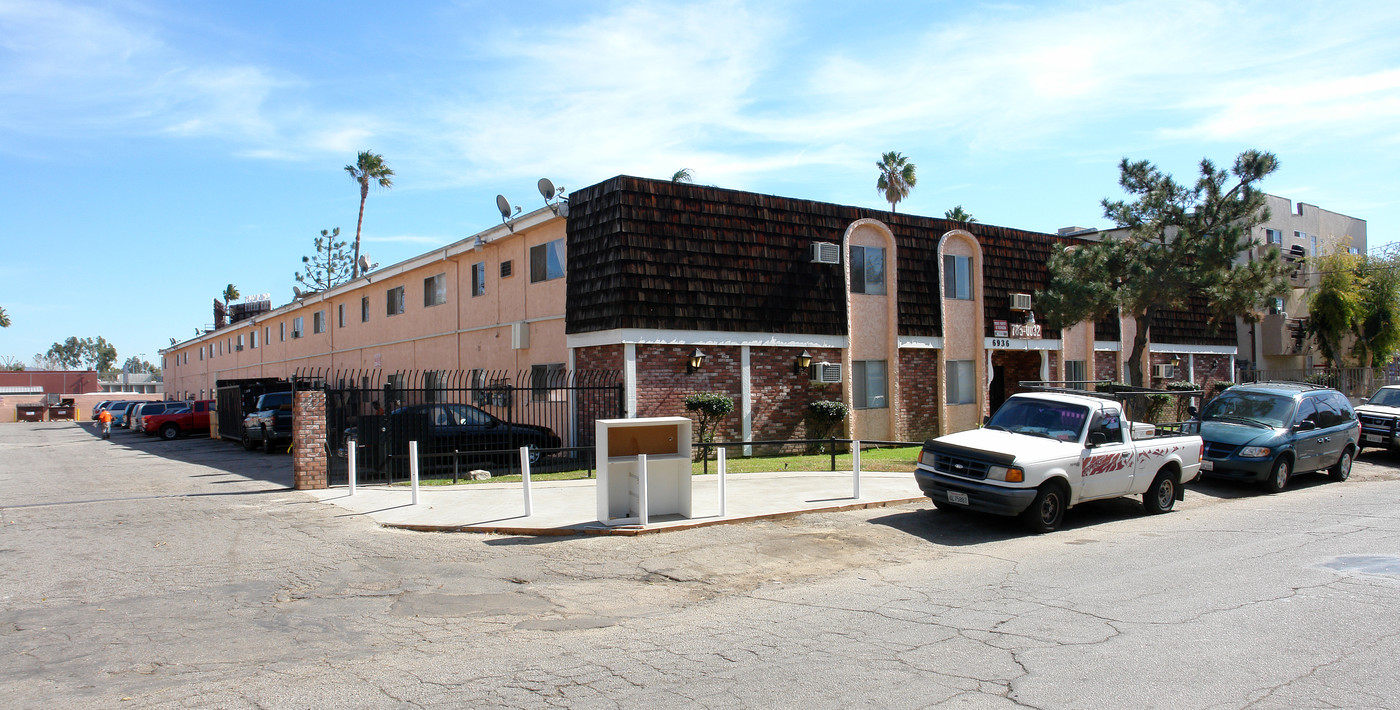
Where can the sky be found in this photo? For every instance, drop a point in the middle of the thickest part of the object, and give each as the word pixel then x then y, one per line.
pixel 157 151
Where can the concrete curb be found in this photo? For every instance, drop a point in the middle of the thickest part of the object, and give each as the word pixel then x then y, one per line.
pixel 634 530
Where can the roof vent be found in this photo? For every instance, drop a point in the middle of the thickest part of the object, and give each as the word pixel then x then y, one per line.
pixel 826 253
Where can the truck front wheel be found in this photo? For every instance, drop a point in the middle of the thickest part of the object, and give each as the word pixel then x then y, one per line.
pixel 1048 510
pixel 1161 496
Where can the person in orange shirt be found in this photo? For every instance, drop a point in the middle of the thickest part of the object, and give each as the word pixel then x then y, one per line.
pixel 106 418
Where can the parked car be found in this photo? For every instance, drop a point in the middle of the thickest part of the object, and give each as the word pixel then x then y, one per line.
pixel 96 410
pixel 146 409
pixel 446 430
pixel 1042 453
pixel 119 409
pixel 177 420
pixel 270 422
pixel 1380 419
pixel 1267 432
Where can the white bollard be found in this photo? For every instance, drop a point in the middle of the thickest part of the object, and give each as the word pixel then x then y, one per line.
pixel 855 470
pixel 350 447
pixel 413 469
pixel 642 492
pixel 525 479
pixel 723 463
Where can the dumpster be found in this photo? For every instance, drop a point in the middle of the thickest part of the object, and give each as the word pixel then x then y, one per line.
pixel 62 412
pixel 29 412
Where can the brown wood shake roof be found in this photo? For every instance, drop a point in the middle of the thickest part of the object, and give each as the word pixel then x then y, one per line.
pixel 655 254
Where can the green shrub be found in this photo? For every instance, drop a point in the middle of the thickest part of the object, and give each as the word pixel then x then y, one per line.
pixel 1156 404
pixel 710 407
pixel 823 416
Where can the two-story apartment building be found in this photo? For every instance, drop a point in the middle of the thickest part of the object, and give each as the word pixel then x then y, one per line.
pixel 920 325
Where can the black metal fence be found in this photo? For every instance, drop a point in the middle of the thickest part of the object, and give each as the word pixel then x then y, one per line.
pixel 463 420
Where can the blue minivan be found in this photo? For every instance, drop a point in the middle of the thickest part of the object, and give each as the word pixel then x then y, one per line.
pixel 1268 431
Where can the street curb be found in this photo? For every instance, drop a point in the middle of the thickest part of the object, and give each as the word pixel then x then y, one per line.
pixel 634 530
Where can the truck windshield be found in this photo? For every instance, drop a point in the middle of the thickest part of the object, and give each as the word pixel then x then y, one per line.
pixel 1257 408
pixel 1386 398
pixel 1039 417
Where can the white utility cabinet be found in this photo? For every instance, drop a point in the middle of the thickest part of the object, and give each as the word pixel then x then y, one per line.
pixel 666 443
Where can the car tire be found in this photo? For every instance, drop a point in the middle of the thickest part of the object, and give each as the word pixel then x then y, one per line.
pixel 1047 511
pixel 268 446
pixel 1279 476
pixel 248 444
pixel 1160 497
pixel 169 431
pixel 1341 470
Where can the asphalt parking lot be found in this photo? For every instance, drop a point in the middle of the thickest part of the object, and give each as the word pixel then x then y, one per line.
pixel 142 573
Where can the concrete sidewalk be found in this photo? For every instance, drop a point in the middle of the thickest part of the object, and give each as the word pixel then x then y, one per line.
pixel 569 507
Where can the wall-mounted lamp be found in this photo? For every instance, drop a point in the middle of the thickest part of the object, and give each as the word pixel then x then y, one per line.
pixel 1176 362
pixel 802 362
pixel 697 359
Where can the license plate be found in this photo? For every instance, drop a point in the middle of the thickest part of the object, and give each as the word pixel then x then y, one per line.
pixel 1207 465
pixel 956 497
pixel 1375 439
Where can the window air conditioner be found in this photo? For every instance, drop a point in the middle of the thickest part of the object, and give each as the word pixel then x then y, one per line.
pixel 1163 372
pixel 826 372
pixel 1020 301
pixel 238 348
pixel 826 253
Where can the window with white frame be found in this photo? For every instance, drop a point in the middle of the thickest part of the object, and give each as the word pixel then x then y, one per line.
pixel 318 322
pixel 868 270
pixel 1273 236
pixel 340 315
pixel 201 352
pixel 364 309
pixel 253 339
pixel 960 382
pixel 298 327
pixel 547 261
pixel 544 379
pixel 478 279
pixel 240 341
pixel 282 332
pixel 435 290
pixel 869 384
pixel 394 301
pixel 957 277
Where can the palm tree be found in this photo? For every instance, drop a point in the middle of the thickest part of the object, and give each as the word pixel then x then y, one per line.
pixel 230 293
pixel 958 214
pixel 369 167
pixel 4 319
pixel 683 175
pixel 896 177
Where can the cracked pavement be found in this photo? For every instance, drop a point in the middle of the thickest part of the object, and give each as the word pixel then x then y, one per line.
pixel 142 573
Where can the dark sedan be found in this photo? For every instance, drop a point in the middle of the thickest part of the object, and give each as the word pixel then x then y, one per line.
pixel 447 431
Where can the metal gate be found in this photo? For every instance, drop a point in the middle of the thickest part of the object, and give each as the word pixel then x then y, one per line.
pixel 463 420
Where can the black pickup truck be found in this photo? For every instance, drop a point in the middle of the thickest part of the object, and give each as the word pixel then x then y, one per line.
pixel 269 423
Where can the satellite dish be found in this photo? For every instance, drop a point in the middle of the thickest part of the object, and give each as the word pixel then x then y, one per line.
pixel 546 189
pixel 364 263
pixel 172 341
pixel 296 291
pixel 503 205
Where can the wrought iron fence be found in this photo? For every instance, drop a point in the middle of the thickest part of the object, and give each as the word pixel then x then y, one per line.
pixel 1352 381
pixel 463 420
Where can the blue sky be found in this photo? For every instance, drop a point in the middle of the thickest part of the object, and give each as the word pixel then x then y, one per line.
pixel 156 151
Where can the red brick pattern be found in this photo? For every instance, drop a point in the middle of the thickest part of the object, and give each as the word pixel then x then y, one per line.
pixel 662 382
pixel 1106 366
pixel 918 394
pixel 780 396
pixel 309 462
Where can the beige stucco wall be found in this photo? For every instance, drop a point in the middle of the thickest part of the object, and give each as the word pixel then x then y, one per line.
pixel 463 333
pixel 871 324
pixel 962 334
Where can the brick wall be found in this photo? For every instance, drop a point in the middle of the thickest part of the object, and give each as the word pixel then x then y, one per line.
pixel 309 462
pixel 1106 366
pixel 918 394
pixel 662 382
pixel 780 396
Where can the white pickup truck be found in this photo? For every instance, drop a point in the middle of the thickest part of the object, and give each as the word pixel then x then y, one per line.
pixel 1043 453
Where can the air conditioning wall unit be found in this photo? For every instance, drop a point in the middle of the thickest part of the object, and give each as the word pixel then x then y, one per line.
pixel 826 372
pixel 1163 371
pixel 520 335
pixel 826 253
pixel 238 348
pixel 1020 301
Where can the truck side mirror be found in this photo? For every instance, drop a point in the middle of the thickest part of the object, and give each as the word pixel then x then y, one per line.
pixel 1193 412
pixel 987 419
pixel 1365 400
pixel 1097 439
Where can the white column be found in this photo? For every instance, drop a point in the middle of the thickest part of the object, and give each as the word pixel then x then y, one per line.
pixel 745 399
pixel 413 470
pixel 351 447
pixel 855 470
pixel 525 479
pixel 642 489
pixel 723 464
pixel 629 375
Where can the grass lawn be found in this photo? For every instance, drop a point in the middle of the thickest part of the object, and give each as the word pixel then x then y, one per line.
pixel 883 459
